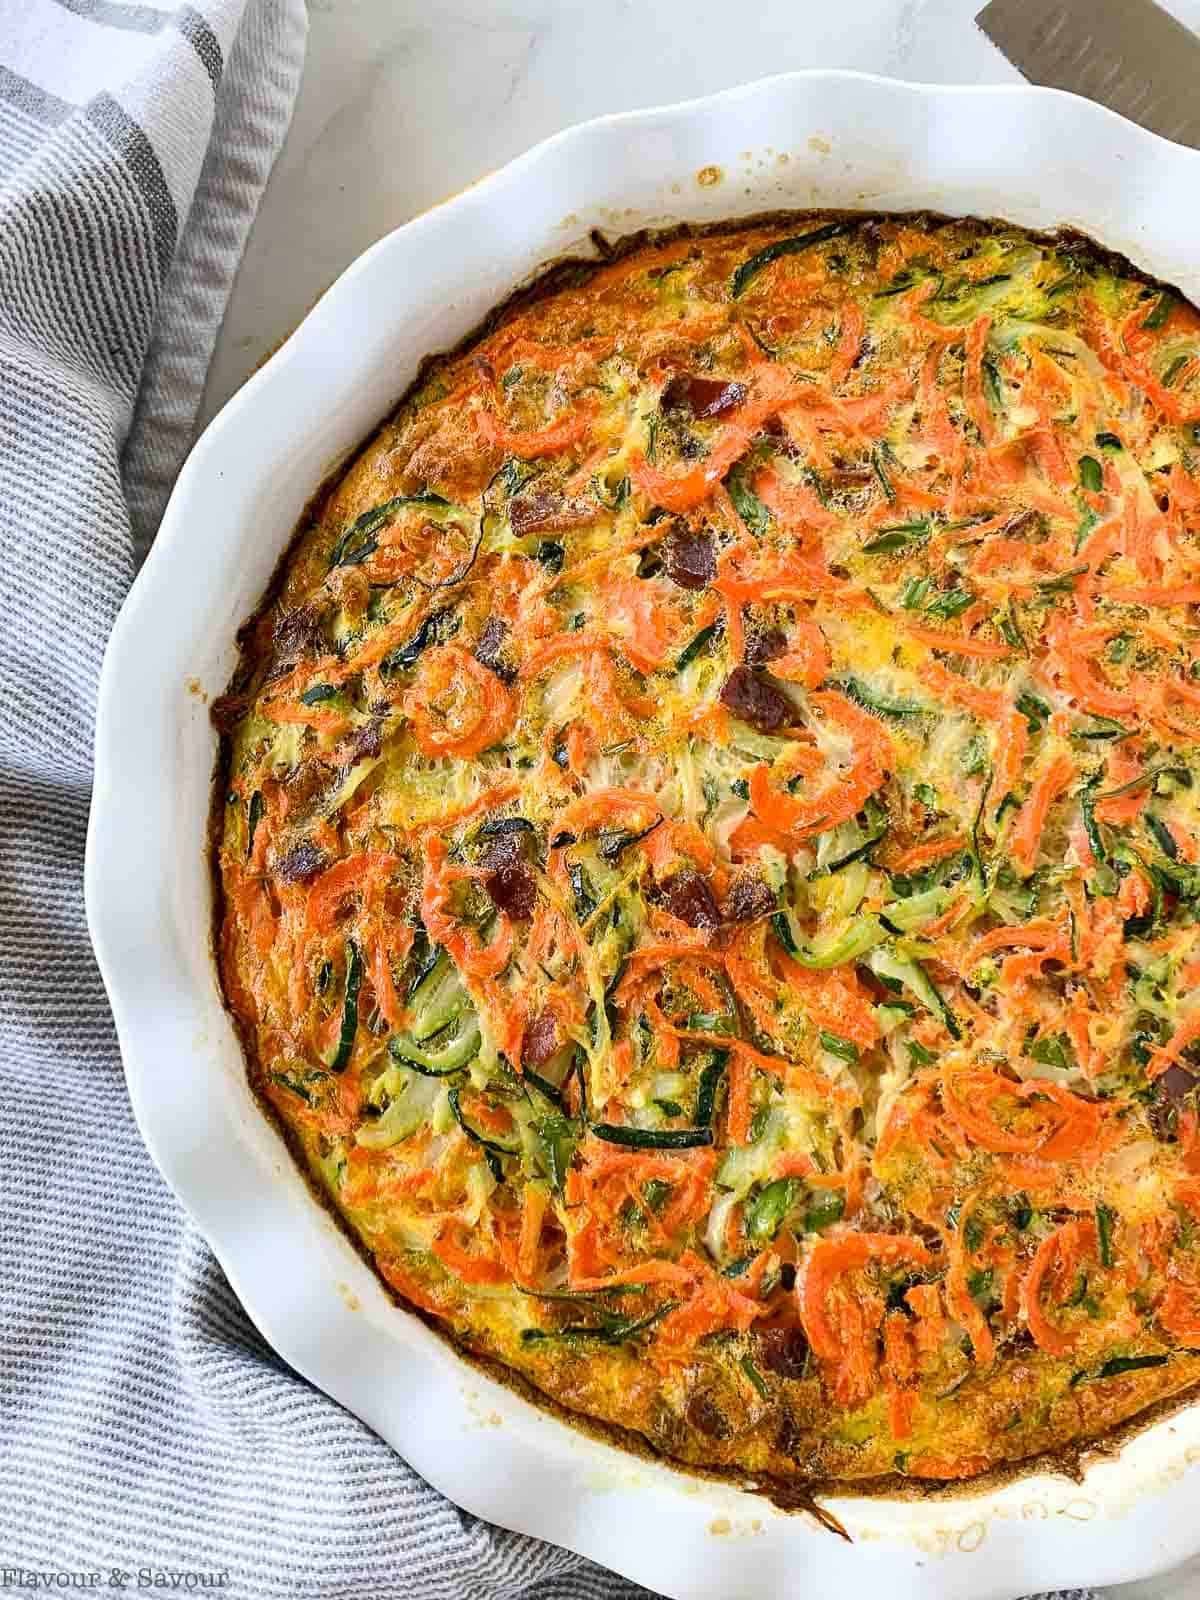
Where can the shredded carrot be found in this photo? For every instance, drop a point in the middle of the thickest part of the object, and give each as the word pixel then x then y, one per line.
pixel 740 1069
pixel 795 504
pixel 1122 767
pixel 853 326
pixel 806 659
pixel 1179 1312
pixel 1042 935
pixel 959 1300
pixel 555 436
pixel 348 876
pixel 1034 1118
pixel 937 588
pixel 874 754
pixel 457 706
pixel 834 1320
pixel 1056 1254
pixel 319 718
pixel 834 1000
pixel 534 1206
pixel 958 643
pixel 451 1247
pixel 750 835
pixel 923 855
pixel 1027 831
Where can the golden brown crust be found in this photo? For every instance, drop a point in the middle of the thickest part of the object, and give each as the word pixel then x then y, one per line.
pixel 762 666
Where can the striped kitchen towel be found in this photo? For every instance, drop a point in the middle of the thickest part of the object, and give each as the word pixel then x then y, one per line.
pixel 144 1425
pixel 146 1428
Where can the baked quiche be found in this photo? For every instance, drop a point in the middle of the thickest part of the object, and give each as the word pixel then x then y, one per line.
pixel 708 845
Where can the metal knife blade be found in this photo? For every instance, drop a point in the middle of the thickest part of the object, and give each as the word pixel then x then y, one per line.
pixel 1129 55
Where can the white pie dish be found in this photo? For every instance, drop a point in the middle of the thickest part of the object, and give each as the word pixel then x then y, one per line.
pixel 1037 157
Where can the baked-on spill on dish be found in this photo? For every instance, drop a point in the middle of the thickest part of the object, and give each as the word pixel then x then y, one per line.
pixel 711 855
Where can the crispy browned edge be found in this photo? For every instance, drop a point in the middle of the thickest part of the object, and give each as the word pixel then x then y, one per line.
pixel 799 1494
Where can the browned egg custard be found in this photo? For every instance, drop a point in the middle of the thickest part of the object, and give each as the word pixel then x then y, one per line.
pixel 709 846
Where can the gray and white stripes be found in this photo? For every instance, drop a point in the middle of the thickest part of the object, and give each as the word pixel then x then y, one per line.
pixel 143 1422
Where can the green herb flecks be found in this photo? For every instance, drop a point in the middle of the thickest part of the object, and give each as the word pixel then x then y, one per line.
pixel 359 541
pixel 254 816
pixel 632 1138
pixel 795 245
pixel 349 1028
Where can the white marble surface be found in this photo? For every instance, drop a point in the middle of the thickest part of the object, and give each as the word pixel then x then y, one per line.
pixel 405 102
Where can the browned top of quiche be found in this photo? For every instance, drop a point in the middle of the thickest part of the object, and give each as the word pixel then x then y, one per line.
pixel 709 848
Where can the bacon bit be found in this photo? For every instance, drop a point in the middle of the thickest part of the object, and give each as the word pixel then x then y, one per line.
pixel 753 700
pixel 1171 1053
pixel 682 492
